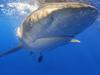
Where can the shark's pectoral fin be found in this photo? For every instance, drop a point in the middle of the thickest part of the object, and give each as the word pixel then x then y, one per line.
pixel 10 51
pixel 75 41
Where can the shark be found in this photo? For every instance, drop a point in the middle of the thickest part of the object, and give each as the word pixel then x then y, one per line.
pixel 52 25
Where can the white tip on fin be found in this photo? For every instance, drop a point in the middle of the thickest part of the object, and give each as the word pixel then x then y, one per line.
pixel 75 41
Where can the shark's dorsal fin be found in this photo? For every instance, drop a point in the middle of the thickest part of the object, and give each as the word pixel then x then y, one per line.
pixel 10 51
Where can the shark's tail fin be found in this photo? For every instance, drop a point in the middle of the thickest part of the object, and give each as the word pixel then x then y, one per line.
pixel 10 51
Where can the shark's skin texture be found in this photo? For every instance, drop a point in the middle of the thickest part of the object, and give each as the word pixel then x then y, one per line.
pixel 55 24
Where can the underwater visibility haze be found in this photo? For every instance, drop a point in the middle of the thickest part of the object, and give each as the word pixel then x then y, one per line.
pixel 45 37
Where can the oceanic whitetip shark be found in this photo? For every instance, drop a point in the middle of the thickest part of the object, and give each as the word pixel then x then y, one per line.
pixel 53 25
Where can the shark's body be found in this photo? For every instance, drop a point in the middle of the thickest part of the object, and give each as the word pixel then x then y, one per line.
pixel 55 24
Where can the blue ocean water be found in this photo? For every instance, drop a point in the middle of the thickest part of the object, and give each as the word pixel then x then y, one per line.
pixel 71 59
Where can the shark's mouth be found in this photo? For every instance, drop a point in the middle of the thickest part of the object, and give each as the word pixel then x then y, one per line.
pixel 47 43
pixel 65 38
pixel 54 37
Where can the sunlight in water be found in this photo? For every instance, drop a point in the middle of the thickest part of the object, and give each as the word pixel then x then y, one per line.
pixel 17 8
